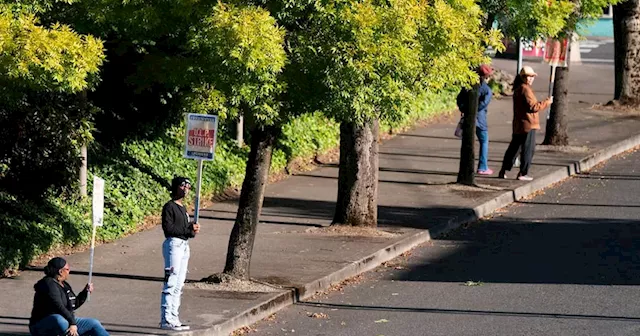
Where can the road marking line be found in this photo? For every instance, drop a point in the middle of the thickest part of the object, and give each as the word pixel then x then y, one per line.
pixel 597 60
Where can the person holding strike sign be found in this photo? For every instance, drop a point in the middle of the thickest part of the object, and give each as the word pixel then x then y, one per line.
pixel 178 229
pixel 526 121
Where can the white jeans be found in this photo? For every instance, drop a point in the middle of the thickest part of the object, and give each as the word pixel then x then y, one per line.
pixel 176 258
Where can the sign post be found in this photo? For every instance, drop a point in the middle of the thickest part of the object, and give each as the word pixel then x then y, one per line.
pixel 555 53
pixel 200 144
pixel 97 210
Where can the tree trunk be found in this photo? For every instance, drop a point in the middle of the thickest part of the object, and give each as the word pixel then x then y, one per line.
pixel 627 51
pixel 466 172
pixel 357 203
pixel 556 129
pixel 619 46
pixel 244 230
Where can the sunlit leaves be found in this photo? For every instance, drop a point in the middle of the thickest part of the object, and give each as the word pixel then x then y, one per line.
pixel 373 58
pixel 41 58
pixel 240 52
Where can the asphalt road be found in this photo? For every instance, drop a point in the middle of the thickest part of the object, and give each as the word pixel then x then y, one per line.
pixel 597 51
pixel 565 262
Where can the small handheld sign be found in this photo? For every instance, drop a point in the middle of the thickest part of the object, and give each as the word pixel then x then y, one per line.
pixel 98 217
pixel 200 144
pixel 555 53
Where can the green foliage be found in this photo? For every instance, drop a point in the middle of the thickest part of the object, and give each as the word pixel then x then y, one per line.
pixel 43 124
pixel 309 134
pixel 539 19
pixel 426 106
pixel 529 19
pixel 42 133
pixel 496 87
pixel 585 10
pixel 240 51
pixel 51 59
pixel 32 228
pixel 137 175
pixel 373 58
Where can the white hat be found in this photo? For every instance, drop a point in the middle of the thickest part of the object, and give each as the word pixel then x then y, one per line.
pixel 527 71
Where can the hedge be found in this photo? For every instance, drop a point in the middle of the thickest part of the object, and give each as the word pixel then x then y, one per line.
pixel 137 175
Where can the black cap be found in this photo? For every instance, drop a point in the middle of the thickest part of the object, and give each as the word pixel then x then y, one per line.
pixel 54 266
pixel 178 182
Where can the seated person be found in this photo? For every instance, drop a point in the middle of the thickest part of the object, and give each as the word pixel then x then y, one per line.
pixel 54 303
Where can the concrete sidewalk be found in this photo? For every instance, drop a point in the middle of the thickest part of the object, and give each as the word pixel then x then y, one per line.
pixel 417 200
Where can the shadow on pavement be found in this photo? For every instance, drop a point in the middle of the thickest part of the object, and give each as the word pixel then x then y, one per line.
pixel 388 216
pixel 537 163
pixel 609 177
pixel 263 221
pixel 580 205
pixel 469 312
pixel 22 321
pixel 108 275
pixel 596 251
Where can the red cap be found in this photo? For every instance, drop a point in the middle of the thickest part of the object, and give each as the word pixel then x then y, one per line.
pixel 485 70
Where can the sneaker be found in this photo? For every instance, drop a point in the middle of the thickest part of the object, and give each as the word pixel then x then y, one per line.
pixel 485 172
pixel 502 174
pixel 169 326
pixel 525 178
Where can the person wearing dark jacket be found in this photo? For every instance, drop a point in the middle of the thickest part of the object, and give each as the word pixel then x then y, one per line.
pixel 54 304
pixel 526 121
pixel 178 229
pixel 482 128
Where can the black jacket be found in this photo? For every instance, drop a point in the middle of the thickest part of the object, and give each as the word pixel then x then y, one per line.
pixel 52 298
pixel 175 222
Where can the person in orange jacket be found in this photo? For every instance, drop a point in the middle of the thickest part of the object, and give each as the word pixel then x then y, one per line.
pixel 526 121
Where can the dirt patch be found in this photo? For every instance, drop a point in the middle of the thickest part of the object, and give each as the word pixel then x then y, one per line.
pixel 234 286
pixel 471 192
pixel 616 108
pixel 338 287
pixel 477 187
pixel 563 149
pixel 351 231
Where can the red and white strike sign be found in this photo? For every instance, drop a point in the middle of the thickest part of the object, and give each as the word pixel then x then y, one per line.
pixel 200 142
pixel 555 52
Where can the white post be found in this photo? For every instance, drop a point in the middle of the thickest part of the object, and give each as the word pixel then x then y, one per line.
pixel 519 56
pixel 574 51
pixel 551 82
pixel 196 212
pixel 240 131
pixel 83 171
pixel 93 248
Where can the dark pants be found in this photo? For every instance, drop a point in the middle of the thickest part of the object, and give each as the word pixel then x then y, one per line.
pixel 526 143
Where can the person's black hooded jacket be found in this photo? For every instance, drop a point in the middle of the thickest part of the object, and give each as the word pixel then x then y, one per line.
pixel 52 298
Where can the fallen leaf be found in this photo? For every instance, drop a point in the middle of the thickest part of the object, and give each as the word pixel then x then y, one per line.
pixel 473 283
pixel 318 315
pixel 382 321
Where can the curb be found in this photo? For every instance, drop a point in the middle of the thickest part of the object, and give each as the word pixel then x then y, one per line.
pixel 284 299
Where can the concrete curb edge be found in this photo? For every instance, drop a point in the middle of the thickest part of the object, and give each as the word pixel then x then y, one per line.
pixel 286 298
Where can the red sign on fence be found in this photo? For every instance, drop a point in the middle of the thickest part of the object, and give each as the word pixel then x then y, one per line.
pixel 555 52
